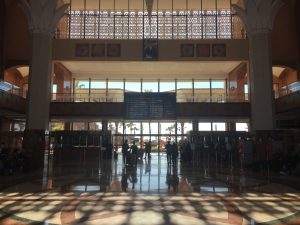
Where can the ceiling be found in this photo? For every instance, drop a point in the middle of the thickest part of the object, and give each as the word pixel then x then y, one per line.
pixel 277 70
pixel 150 70
pixel 140 4
pixel 24 70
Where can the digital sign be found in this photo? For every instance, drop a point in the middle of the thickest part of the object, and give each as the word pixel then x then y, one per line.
pixel 151 105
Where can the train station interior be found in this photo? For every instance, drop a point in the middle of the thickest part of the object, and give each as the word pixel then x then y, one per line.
pixel 159 112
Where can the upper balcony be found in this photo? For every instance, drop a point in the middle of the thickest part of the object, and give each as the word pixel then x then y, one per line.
pixel 135 19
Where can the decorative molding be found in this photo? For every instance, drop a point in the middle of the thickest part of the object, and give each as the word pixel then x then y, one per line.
pixel 82 50
pixel 203 50
pixel 98 50
pixel 149 4
pixel 150 49
pixel 219 50
pixel 113 50
pixel 258 15
pixel 43 15
pixel 187 50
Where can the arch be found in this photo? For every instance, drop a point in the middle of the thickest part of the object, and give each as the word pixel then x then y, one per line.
pixel 284 79
pixel 16 75
pixel 16 46
pixel 284 36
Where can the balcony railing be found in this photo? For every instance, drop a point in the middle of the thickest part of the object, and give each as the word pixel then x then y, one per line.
pixel 85 98
pixel 180 99
pixel 12 89
pixel 288 89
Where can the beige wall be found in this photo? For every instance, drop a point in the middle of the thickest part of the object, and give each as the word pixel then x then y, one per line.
pixel 168 50
pixel 18 41
pixel 238 76
pixel 61 75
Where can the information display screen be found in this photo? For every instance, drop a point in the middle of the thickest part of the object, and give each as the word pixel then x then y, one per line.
pixel 139 106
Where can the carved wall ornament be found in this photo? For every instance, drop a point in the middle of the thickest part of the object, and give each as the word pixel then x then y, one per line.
pixel 43 15
pixel 258 15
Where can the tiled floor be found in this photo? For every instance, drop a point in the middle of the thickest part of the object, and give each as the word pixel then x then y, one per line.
pixel 152 193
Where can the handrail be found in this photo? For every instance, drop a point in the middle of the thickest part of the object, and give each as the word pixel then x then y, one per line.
pixel 12 89
pixel 86 97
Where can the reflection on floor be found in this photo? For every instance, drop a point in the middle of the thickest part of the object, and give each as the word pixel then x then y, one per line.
pixel 152 193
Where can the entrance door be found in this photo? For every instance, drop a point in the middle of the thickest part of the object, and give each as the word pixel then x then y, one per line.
pixel 158 132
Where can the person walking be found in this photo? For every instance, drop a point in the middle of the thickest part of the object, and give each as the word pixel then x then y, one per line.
pixel 148 150
pixel 125 148
pixel 168 148
pixel 134 151
pixel 174 153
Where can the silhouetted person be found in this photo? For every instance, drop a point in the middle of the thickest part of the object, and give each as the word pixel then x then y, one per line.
pixel 188 152
pixel 134 151
pixel 169 178
pixel 124 181
pixel 148 166
pixel 148 150
pixel 125 148
pixel 168 148
pixel 174 153
pixel 133 177
pixel 175 180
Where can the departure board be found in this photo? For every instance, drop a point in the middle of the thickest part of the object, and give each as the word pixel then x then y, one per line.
pixel 139 106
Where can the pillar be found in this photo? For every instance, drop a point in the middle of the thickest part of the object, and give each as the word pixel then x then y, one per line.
pixel 258 17
pixel 230 126
pixel 104 125
pixel 43 16
pixel 67 126
pixel 117 132
pixel 2 29
pixel 182 130
pixel 5 124
pixel 105 137
pixel 297 8
pixel 195 125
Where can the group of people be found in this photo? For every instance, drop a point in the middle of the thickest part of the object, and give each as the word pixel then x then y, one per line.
pixel 128 174
pixel 11 162
pixel 130 154
pixel 172 153
pixel 285 158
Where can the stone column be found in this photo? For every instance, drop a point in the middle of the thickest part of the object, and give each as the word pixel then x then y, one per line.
pixel 297 9
pixel 230 126
pixel 258 17
pixel 43 16
pixel 182 129
pixel 104 125
pixel 195 125
pixel 2 29
pixel 67 126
